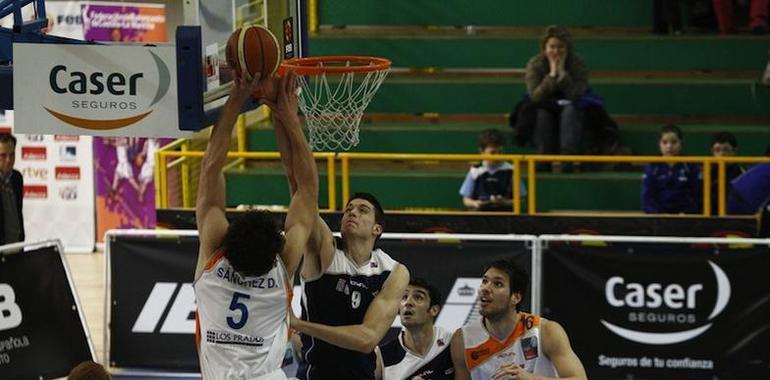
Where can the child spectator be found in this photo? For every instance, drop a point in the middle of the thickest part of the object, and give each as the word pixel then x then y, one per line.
pixel 488 186
pixel 723 144
pixel 671 188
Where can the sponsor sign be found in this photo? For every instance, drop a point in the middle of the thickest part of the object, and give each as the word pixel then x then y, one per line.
pixel 34 153
pixel 42 334
pixel 58 189
pixel 96 90
pixel 658 311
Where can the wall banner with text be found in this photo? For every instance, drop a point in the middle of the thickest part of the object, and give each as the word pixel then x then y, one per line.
pixel 654 311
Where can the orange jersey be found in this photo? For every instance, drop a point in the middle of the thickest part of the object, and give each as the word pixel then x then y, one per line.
pixel 484 354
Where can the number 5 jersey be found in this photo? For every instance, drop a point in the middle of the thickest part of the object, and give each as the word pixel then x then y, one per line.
pixel 242 324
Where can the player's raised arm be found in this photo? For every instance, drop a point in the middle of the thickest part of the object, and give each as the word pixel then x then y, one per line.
pixel 458 356
pixel 377 320
pixel 301 171
pixel 210 203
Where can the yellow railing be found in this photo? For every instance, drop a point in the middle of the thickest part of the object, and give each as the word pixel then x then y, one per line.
pixel 345 160
pixel 164 156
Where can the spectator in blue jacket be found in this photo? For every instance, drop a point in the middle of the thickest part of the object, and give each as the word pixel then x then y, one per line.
pixel 671 188
pixel 488 186
pixel 723 144
pixel 750 190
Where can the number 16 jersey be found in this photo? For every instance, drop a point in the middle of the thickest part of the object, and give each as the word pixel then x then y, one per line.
pixel 242 324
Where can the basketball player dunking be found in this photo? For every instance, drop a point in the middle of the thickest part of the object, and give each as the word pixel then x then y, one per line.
pixel 243 278
pixel 353 288
pixel 510 344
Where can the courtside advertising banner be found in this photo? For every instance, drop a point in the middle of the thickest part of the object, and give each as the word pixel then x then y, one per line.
pixel 58 189
pixel 103 90
pixel 152 309
pixel 653 311
pixel 42 334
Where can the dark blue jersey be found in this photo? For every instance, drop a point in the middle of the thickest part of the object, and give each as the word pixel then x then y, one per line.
pixel 341 297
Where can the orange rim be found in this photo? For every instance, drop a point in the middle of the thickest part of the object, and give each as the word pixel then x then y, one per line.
pixel 334 65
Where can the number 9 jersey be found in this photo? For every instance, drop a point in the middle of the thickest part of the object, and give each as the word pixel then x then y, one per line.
pixel 242 324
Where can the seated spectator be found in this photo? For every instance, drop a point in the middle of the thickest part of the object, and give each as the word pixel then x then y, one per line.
pixel 560 114
pixel 557 78
pixel 723 9
pixel 723 144
pixel 671 188
pixel 488 186
pixel 750 190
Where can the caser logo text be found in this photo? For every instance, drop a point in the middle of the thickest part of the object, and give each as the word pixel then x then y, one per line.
pixel 681 300
pixel 116 91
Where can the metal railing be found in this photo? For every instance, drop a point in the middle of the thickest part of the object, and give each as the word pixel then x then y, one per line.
pixel 163 166
pixel 345 160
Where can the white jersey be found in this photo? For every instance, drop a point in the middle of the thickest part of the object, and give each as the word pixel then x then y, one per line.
pixel 400 363
pixel 485 354
pixel 242 325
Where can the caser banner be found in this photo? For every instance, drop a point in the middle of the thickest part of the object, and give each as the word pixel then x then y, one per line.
pixel 42 335
pixel 656 311
pixel 153 302
pixel 104 90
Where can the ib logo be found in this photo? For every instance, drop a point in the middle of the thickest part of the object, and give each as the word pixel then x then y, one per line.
pixel 10 313
pixel 677 311
pixel 98 92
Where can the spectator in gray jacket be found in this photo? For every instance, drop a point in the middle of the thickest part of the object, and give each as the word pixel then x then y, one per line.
pixel 556 79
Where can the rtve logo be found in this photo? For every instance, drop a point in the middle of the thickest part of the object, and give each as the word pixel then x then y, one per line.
pixel 115 91
pixel 171 306
pixel 10 312
pixel 681 301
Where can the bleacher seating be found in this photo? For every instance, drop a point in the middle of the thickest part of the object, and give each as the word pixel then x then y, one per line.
pixel 459 68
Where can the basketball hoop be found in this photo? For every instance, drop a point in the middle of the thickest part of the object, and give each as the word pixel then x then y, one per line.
pixel 335 91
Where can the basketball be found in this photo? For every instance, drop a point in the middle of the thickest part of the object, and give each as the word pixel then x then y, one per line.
pixel 253 49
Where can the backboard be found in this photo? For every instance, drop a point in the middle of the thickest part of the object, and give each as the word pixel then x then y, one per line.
pixel 219 18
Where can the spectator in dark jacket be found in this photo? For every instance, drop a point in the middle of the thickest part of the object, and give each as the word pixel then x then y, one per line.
pixel 723 144
pixel 750 190
pixel 671 188
pixel 11 193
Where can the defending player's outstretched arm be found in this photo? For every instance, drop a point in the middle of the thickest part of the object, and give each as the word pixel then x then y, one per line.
pixel 301 171
pixel 210 203
pixel 377 320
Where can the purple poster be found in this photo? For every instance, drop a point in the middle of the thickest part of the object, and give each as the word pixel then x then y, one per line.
pixel 124 172
pixel 124 22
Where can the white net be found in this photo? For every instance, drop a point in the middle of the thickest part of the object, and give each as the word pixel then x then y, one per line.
pixel 333 105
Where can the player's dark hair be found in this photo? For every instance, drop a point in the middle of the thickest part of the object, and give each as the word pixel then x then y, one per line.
pixel 518 278
pixel 379 213
pixel 491 137
pixel 433 292
pixel 724 137
pixel 252 243
pixel 88 370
